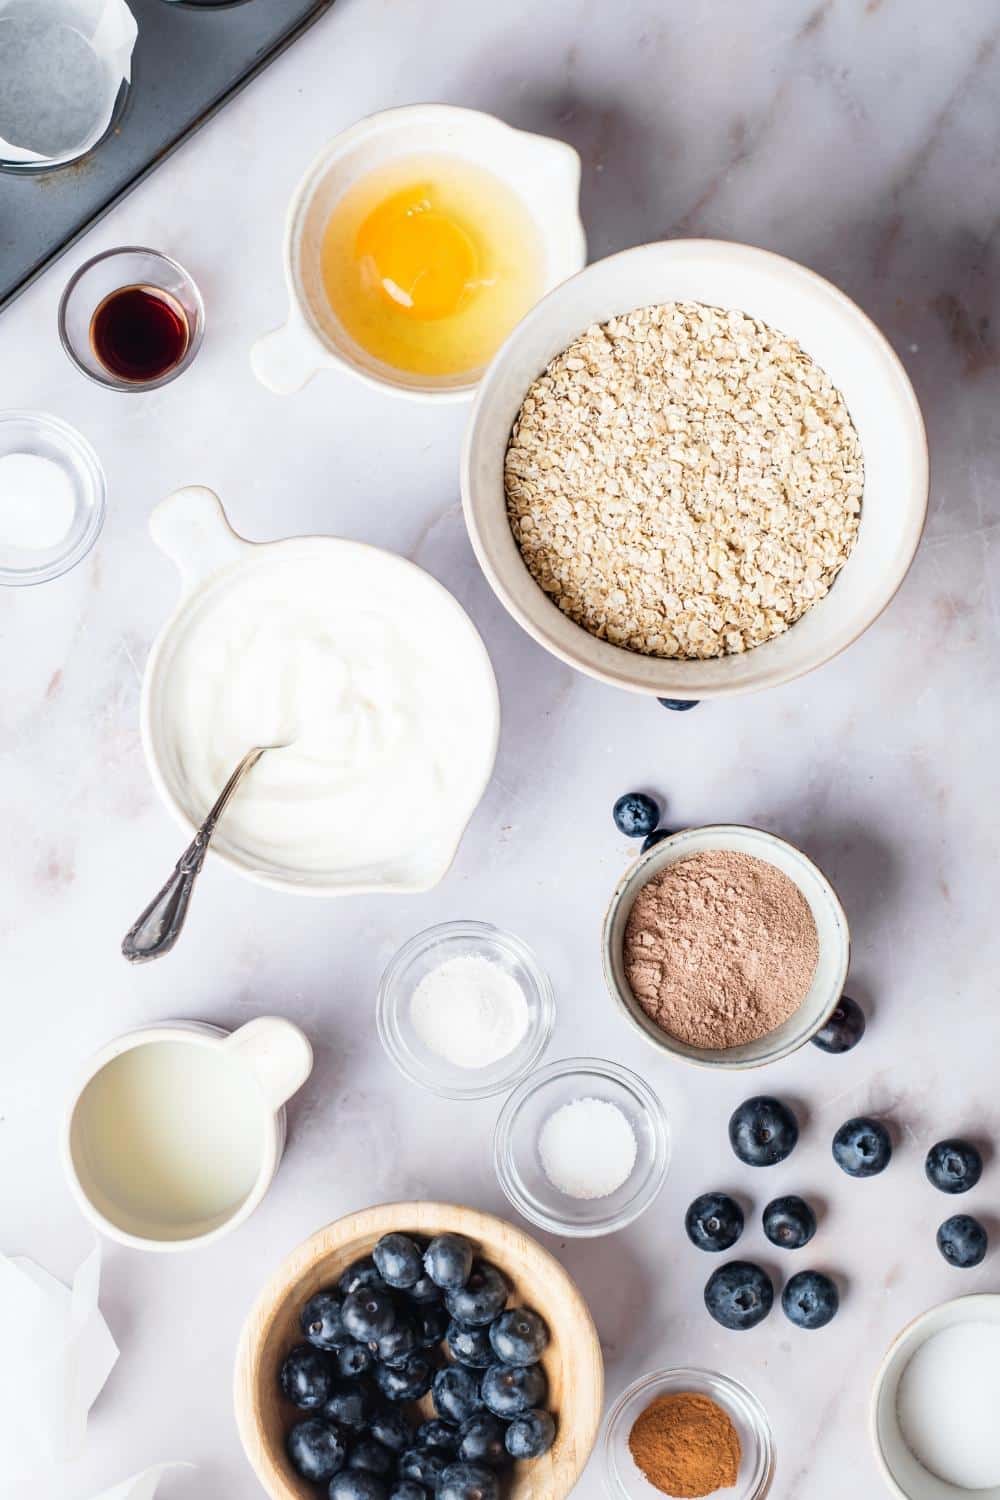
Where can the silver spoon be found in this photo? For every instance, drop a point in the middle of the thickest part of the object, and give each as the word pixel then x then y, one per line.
pixel 159 927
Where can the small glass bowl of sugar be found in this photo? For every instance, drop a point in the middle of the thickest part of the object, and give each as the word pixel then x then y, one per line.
pixel 52 497
pixel 465 1010
pixel 582 1147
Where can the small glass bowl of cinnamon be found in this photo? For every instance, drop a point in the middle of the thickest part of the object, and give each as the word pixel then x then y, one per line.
pixel 624 1480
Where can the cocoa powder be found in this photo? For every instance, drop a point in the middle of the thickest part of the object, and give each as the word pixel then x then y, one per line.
pixel 720 949
pixel 686 1446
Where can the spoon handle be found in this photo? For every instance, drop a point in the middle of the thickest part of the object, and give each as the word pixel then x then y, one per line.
pixel 156 931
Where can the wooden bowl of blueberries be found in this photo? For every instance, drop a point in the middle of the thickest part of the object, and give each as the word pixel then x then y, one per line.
pixel 419 1351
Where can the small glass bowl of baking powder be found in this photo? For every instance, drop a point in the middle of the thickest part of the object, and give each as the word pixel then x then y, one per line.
pixel 597 1102
pixel 465 1010
pixel 623 1480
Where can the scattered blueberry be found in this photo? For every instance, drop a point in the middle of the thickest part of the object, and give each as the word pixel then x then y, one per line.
pixel 953 1166
pixel 369 1313
pixel 448 1261
pixel 481 1440
pixel 390 1428
pixel 531 1434
pixel 789 1222
pixel 470 1346
pixel 635 815
pixel 357 1484
pixel 679 705
pixel 843 1028
pixel 396 1346
pixel 406 1382
pixel 810 1299
pixel 963 1241
pixel 407 1489
pixel 369 1454
pixel 456 1394
pixel 436 1434
pixel 321 1321
pixel 424 1290
pixel 423 1465
pixel 481 1299
pixel 398 1260
pixel 714 1221
pixel 353 1360
pixel 350 1403
pixel 306 1377
pixel 519 1337
pixel 468 1482
pixel 862 1147
pixel 358 1274
pixel 509 1390
pixel 432 1324
pixel 316 1450
pixel 763 1131
pixel 739 1295
pixel 656 837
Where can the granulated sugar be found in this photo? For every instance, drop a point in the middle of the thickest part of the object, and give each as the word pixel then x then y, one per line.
pixel 720 949
pixel 588 1148
pixel 470 1011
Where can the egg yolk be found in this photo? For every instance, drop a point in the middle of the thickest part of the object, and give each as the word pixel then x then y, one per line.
pixel 418 257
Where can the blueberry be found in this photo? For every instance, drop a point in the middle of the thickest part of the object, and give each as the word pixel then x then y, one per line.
pixel 424 1290
pixel 398 1261
pixel 482 1299
pixel 423 1465
pixel 390 1428
pixel 350 1403
pixel 437 1434
pixel 448 1261
pixel 763 1131
pixel 321 1321
pixel 369 1454
pixel 862 1147
pixel 509 1390
pixel 953 1166
pixel 843 1028
pixel 739 1295
pixel 714 1221
pixel 358 1484
pixel 407 1489
pixel 810 1299
pixel 635 815
pixel 431 1324
pixel 358 1274
pixel 316 1450
pixel 406 1382
pixel 962 1241
pixel 519 1337
pixel 470 1346
pixel 369 1314
pixel 481 1440
pixel 306 1377
pixel 456 1394
pixel 656 837
pixel 679 705
pixel 396 1346
pixel 531 1434
pixel 468 1482
pixel 789 1222
pixel 353 1360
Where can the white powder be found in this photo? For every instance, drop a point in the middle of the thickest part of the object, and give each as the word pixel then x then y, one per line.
pixel 469 1011
pixel 36 502
pixel 947 1405
pixel 587 1148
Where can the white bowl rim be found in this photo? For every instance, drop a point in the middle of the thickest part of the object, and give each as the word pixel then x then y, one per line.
pixel 619 676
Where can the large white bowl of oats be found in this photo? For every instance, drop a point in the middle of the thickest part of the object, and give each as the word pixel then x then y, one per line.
pixel 695 469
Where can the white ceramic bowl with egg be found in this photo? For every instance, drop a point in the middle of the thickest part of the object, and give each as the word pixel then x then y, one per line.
pixel 440 701
pixel 834 332
pixel 543 173
pixel 904 1475
pixel 831 930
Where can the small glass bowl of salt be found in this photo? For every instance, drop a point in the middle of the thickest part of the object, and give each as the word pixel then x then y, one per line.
pixel 465 1010
pixel 52 497
pixel 582 1147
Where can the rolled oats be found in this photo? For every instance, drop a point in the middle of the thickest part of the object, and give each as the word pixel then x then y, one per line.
pixel 684 481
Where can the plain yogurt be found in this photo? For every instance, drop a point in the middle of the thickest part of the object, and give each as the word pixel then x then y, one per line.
pixel 373 680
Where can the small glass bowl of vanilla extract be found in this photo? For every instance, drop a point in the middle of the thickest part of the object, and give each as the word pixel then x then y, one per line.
pixel 131 319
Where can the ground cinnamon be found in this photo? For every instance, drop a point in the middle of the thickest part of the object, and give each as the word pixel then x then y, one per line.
pixel 686 1446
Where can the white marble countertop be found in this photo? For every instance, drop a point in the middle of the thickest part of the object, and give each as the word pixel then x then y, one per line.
pixel 861 138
